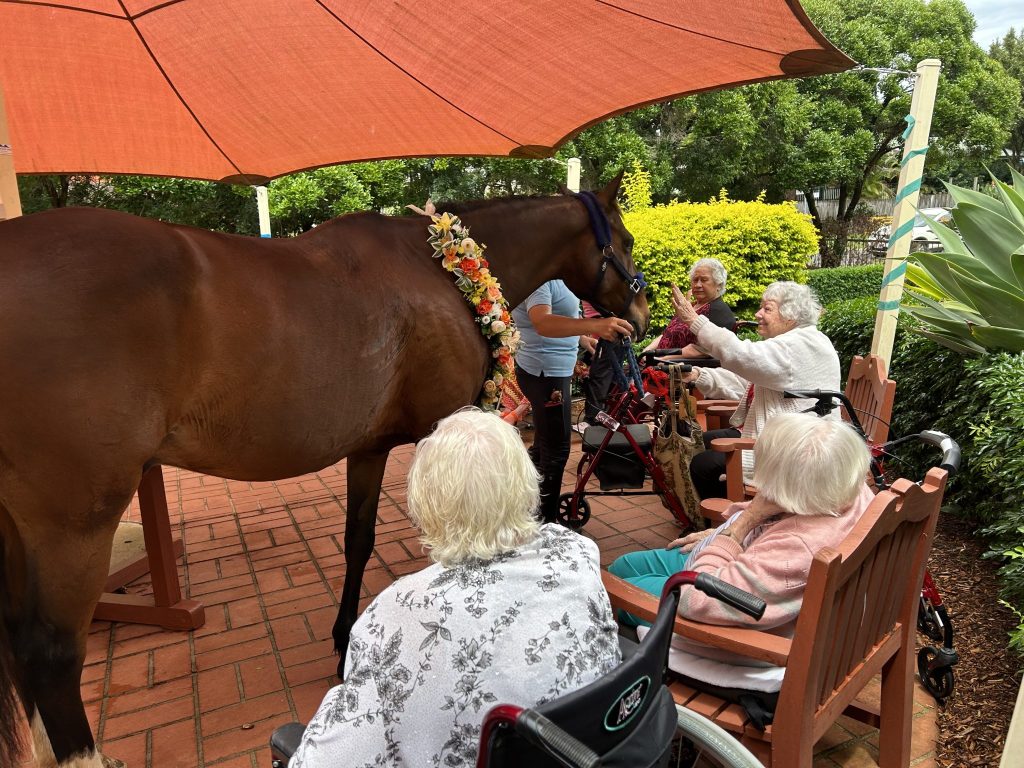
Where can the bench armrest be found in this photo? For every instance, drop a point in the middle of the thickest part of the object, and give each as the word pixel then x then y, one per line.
pixel 731 444
pixel 752 643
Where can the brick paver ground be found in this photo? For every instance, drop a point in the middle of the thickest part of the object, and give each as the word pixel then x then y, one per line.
pixel 267 561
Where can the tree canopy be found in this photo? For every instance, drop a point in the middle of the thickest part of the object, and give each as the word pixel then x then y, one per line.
pixel 1009 52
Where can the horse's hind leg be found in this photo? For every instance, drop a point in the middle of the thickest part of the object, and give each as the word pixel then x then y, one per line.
pixel 65 570
pixel 365 474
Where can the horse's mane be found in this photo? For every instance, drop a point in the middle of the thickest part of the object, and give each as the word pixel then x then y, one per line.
pixel 459 207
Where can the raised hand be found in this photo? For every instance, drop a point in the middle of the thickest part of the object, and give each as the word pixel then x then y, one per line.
pixel 684 309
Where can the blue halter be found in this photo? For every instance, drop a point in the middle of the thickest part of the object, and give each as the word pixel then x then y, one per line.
pixel 603 235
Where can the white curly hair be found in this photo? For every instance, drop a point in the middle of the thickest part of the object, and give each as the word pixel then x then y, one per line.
pixel 472 488
pixel 796 302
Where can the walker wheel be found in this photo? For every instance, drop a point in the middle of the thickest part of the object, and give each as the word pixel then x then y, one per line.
pixel 938 681
pixel 571 519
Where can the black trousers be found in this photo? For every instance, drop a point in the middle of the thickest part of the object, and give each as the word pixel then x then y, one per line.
pixel 707 466
pixel 551 434
pixel 602 373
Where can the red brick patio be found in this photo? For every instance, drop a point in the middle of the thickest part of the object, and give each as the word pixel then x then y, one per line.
pixel 266 560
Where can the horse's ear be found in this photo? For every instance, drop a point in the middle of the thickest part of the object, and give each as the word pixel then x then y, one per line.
pixel 610 190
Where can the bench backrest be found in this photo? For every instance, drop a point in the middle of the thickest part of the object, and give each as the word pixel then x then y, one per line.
pixel 860 606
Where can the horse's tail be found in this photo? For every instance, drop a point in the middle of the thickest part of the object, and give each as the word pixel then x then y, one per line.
pixel 10 712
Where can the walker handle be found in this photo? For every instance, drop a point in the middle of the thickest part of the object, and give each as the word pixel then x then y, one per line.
pixel 742 601
pixel 948 446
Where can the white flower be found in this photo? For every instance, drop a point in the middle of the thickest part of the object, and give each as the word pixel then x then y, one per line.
pixel 498 327
pixel 467 246
pixel 485 319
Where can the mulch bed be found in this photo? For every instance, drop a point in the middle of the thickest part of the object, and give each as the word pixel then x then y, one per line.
pixel 975 719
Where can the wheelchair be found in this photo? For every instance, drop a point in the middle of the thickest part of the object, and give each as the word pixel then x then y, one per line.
pixel 627 719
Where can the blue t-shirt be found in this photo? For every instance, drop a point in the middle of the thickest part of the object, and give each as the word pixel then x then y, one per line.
pixel 541 355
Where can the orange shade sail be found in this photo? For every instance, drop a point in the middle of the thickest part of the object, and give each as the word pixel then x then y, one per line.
pixel 248 90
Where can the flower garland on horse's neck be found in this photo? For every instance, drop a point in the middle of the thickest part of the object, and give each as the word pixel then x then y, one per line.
pixel 464 258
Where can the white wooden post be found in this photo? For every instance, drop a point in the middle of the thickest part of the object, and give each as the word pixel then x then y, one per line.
pixel 572 180
pixel 915 145
pixel 10 200
pixel 263 206
pixel 1015 736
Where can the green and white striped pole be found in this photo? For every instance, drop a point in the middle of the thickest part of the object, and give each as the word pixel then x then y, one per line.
pixel 915 145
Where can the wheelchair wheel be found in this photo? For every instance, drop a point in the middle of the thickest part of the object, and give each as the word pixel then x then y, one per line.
pixel 702 743
pixel 565 514
pixel 939 681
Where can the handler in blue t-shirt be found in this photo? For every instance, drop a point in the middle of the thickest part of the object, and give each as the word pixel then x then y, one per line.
pixel 552 331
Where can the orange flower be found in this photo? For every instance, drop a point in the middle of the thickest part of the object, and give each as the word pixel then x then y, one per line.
pixel 484 307
pixel 468 265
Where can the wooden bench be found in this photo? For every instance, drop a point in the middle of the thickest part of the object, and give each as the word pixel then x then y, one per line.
pixel 858 620
pixel 870 392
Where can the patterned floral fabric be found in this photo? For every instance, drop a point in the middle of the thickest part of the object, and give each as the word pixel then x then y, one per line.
pixel 437 649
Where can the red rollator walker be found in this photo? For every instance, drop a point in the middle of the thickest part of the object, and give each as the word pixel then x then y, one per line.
pixel 619 449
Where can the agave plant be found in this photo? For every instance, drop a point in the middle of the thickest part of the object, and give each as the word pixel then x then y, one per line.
pixel 970 296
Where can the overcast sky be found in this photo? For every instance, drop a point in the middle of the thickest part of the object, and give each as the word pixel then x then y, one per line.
pixel 994 18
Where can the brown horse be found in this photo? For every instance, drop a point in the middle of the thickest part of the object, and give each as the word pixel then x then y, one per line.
pixel 127 343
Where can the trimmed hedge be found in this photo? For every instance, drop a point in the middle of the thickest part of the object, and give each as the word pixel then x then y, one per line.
pixel 980 403
pixel 758 243
pixel 834 284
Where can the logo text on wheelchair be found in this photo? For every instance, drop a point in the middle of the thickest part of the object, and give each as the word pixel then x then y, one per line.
pixel 627 705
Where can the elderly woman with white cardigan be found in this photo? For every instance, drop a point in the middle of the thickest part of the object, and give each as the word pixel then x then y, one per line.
pixel 792 354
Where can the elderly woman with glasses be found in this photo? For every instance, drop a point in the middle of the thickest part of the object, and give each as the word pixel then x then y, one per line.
pixel 792 354
pixel 511 611
pixel 707 284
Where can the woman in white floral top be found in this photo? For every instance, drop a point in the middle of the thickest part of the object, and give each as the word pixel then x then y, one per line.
pixel 510 612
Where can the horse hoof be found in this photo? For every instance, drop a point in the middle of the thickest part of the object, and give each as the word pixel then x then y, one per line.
pixel 112 762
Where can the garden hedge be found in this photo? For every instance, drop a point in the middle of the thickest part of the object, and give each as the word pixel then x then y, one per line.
pixel 844 283
pixel 758 243
pixel 980 403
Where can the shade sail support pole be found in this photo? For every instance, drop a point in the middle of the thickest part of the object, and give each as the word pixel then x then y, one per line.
pixel 263 208
pixel 10 200
pixel 572 179
pixel 915 145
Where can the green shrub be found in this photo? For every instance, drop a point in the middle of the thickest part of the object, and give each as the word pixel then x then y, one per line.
pixel 758 243
pixel 844 283
pixel 980 403
pixel 997 469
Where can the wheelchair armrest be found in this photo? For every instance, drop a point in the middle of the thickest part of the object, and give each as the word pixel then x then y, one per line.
pixel 752 643
pixel 732 444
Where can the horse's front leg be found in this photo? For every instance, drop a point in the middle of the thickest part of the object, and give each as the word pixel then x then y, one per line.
pixel 365 474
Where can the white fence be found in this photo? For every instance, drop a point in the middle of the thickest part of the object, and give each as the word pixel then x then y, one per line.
pixel 828 203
